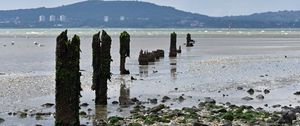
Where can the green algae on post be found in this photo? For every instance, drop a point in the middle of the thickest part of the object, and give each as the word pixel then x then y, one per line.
pixel 189 41
pixel 124 51
pixel 101 66
pixel 67 79
pixel 173 48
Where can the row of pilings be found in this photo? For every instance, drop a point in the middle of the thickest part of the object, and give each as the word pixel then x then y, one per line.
pixel 68 85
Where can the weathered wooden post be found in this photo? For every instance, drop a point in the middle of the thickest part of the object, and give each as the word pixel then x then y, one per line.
pixel 67 80
pixel 173 48
pixel 101 66
pixel 124 51
pixel 189 41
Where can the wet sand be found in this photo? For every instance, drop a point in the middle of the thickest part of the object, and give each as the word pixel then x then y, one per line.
pixel 214 67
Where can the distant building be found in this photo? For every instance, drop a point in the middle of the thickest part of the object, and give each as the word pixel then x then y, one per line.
pixel 106 18
pixel 52 18
pixel 122 18
pixel 62 18
pixel 42 18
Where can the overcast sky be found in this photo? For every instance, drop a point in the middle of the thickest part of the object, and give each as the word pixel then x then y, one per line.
pixel 207 7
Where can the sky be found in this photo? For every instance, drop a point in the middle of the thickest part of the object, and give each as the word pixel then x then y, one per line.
pixel 206 7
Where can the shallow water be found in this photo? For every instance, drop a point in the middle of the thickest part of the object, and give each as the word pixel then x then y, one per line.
pixel 217 65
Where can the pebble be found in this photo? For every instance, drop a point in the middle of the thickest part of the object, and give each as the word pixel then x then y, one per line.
pixel 247 98
pixel 132 78
pixel 48 105
pixel 210 100
pixel 239 88
pixel 266 91
pixel 181 99
pixel 297 93
pixel 251 91
pixel 153 101
pixel 115 102
pixel 165 99
pixel 276 106
pixel 84 105
pixel 1 120
pixel 260 97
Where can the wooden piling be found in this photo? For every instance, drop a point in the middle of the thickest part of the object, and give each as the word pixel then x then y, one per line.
pixel 124 51
pixel 67 80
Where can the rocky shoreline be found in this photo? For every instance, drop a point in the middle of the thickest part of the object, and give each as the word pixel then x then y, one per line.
pixel 206 113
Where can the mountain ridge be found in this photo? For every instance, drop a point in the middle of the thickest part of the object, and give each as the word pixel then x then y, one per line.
pixel 137 14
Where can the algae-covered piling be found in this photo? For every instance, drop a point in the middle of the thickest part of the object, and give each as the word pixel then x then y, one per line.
pixel 101 66
pixel 67 80
pixel 124 51
pixel 173 48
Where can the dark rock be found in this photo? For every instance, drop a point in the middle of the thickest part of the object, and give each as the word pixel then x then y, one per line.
pixel 246 107
pixel 165 99
pixel 251 91
pixel 287 117
pixel 153 101
pixel 176 89
pixel 134 99
pixel 296 109
pixel 48 105
pixel 286 108
pixel 132 78
pixel 38 125
pixel 239 88
pixel 266 105
pixel 266 91
pixel 261 76
pixel 43 114
pixel 84 105
pixel 222 110
pixel 260 109
pixel 173 64
pixel 210 100
pixel 181 99
pixel 157 108
pixel 115 102
pixel 199 124
pixel 276 106
pixel 22 114
pixel 1 120
pixel 83 113
pixel 297 93
pixel 260 97
pixel 247 98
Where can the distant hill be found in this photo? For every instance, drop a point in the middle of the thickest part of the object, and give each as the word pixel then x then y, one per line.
pixel 287 19
pixel 135 14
